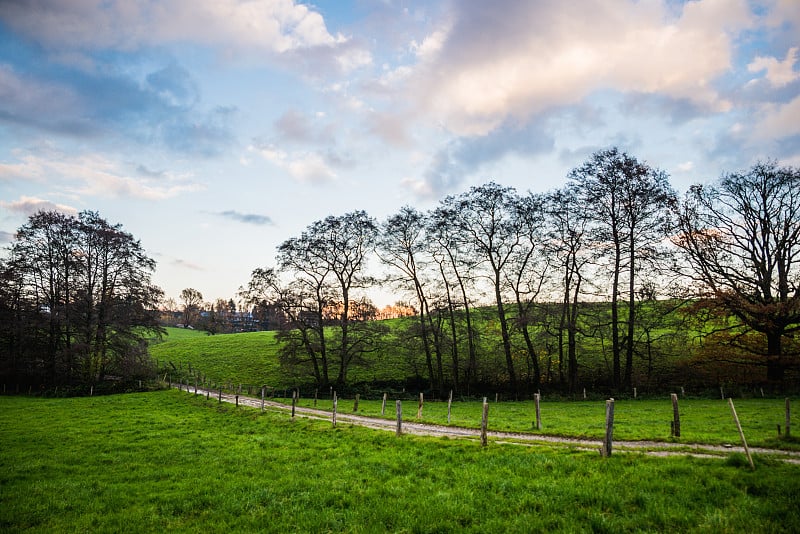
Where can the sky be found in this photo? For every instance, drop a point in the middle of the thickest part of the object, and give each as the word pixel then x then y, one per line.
pixel 215 130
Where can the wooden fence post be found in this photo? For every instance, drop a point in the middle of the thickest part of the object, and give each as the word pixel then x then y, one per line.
pixel 741 434
pixel 220 393
pixel 262 397
pixel 383 405
pixel 294 401
pixel 316 394
pixel 536 398
pixel 634 393
pixel 449 405
pixel 355 404
pixel 421 403
pixel 584 393
pixel 676 416
pixel 335 407
pixel 484 423
pixel 399 411
pixel 605 450
pixel 237 400
pixel 721 393
pixel 788 418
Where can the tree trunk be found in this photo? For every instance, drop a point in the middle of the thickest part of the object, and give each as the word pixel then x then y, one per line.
pixel 631 317
pixel 423 310
pixel 501 313
pixel 775 367
pixel 523 315
pixel 615 347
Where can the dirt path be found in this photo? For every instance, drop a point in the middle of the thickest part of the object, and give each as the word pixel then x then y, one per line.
pixel 655 448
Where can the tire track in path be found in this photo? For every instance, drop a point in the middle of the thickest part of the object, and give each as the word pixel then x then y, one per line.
pixel 652 448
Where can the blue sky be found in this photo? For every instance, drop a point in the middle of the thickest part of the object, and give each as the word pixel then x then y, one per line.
pixel 213 131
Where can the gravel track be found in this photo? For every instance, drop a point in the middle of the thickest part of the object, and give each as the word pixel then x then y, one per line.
pixel 653 448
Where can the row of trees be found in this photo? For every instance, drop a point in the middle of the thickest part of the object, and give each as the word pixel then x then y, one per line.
pixel 510 289
pixel 76 301
pixel 615 233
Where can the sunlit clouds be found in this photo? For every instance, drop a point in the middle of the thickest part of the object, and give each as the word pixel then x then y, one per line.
pixel 231 125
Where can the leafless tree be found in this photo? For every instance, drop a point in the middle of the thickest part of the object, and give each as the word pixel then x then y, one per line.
pixel 628 202
pixel 741 237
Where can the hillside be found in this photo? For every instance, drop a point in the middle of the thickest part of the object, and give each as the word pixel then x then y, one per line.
pixel 247 358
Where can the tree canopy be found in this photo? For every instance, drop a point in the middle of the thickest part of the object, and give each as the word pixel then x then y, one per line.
pixel 77 301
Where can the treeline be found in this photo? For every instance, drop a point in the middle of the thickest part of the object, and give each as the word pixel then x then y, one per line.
pixel 76 303
pixel 725 257
pixel 611 280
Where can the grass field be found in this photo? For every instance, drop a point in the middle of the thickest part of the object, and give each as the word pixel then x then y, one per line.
pixel 167 461
pixel 248 358
pixel 174 334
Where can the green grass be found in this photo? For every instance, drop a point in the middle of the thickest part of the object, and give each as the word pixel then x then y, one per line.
pixel 248 358
pixel 702 421
pixel 167 461
pixel 174 334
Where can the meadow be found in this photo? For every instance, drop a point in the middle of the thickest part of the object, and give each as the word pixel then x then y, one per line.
pixel 247 358
pixel 168 461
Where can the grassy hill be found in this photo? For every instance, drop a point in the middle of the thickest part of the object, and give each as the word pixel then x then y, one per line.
pixel 251 358
pixel 246 358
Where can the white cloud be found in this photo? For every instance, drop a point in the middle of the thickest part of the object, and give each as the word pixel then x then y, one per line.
pixel 778 73
pixel 778 120
pixel 21 97
pixel 29 205
pixel 304 167
pixel 94 175
pixel 431 44
pixel 538 55
pixel 419 188
pixel 29 169
pixel 783 11
pixel 265 26
pixel 310 168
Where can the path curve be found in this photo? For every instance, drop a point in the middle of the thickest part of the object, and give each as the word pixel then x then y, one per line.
pixel 654 448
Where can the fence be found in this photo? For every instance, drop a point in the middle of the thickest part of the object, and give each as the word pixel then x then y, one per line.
pixel 538 416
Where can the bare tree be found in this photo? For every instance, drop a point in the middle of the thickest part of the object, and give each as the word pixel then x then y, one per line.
pixel 302 303
pixel 402 246
pixel 192 301
pixel 566 247
pixel 527 272
pixel 455 265
pixel 329 258
pixel 741 238
pixel 486 217
pixel 629 202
